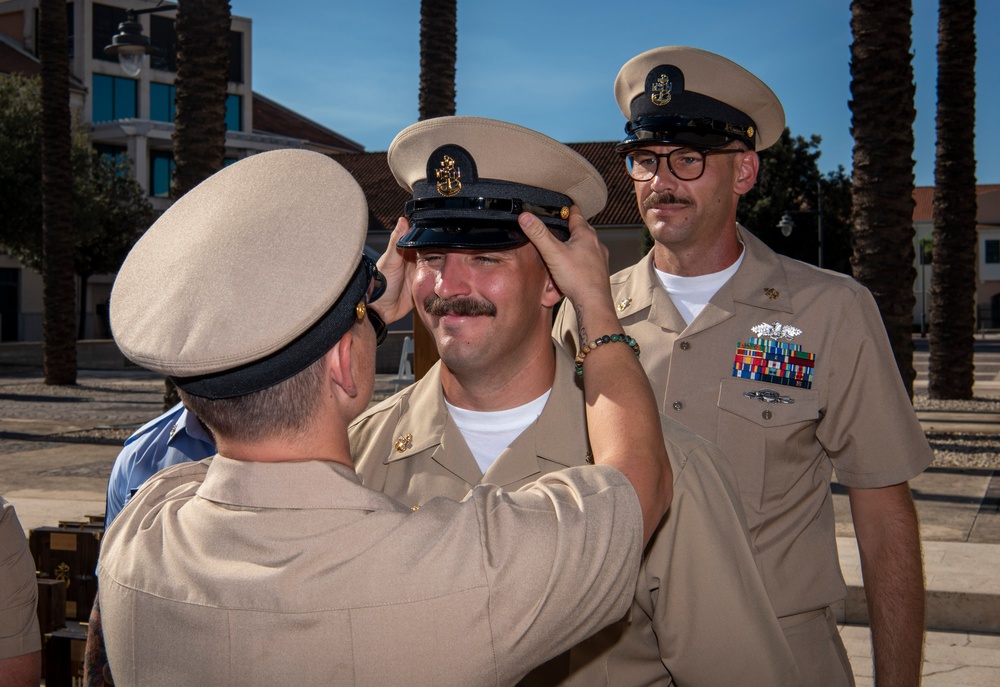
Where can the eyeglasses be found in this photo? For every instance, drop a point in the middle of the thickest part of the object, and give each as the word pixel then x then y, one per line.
pixel 687 164
pixel 378 288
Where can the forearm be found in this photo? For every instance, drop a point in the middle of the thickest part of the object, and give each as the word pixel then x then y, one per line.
pixel 95 658
pixel 623 424
pixel 885 522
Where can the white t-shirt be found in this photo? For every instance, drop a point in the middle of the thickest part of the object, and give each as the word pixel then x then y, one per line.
pixel 488 433
pixel 691 294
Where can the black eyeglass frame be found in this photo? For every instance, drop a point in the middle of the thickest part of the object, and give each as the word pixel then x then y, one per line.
pixel 680 152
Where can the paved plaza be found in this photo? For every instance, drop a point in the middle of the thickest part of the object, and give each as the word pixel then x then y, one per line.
pixel 57 445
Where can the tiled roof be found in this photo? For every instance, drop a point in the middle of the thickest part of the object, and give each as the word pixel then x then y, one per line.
pixel 386 198
pixel 923 208
pixel 621 208
pixel 16 60
pixel 273 118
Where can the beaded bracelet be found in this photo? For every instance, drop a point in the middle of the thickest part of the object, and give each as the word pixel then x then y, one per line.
pixel 607 338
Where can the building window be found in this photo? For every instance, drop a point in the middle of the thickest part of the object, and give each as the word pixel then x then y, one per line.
pixel 163 41
pixel 234 112
pixel 114 98
pixel 106 21
pixel 992 251
pixel 162 99
pixel 236 57
pixel 118 155
pixel 161 173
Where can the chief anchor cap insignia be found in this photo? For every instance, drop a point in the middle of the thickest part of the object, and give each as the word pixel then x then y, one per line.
pixel 776 331
pixel 449 180
pixel 661 91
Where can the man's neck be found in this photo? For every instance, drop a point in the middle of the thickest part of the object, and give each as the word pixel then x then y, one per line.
pixel 695 260
pixel 488 390
pixel 323 439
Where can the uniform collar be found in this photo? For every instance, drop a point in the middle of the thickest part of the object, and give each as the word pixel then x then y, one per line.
pixel 310 484
pixel 760 281
pixel 425 420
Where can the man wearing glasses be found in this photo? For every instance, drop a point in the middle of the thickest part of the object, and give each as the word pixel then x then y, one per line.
pixel 502 407
pixel 786 367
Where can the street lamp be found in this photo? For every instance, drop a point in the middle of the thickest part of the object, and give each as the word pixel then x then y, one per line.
pixel 130 44
pixel 786 224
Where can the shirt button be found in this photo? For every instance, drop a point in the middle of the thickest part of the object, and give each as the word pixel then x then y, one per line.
pixel 685 345
pixel 766 415
pixel 678 405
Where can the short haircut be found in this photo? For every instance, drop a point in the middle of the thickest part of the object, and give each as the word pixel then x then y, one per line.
pixel 282 409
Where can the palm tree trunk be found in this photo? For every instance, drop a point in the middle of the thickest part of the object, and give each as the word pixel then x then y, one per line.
pixel 81 330
pixel 200 120
pixel 202 75
pixel 438 46
pixel 953 278
pixel 882 110
pixel 59 283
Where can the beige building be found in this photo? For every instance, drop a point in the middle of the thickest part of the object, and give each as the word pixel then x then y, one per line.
pixel 987 265
pixel 134 116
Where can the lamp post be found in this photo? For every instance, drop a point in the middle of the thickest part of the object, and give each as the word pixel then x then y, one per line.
pixel 130 44
pixel 786 224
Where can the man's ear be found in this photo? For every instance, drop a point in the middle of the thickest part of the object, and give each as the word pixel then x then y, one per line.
pixel 748 164
pixel 550 294
pixel 338 365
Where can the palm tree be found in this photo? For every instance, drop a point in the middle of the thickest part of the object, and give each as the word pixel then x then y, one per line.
pixel 59 288
pixel 438 41
pixel 953 279
pixel 882 110
pixel 202 74
pixel 200 122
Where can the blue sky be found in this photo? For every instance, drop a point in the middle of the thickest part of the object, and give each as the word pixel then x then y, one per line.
pixel 550 65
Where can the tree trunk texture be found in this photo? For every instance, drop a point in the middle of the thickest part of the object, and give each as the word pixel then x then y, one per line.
pixel 438 49
pixel 882 108
pixel 200 120
pixel 202 75
pixel 58 279
pixel 953 278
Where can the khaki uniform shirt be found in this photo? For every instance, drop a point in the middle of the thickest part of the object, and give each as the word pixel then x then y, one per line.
pixel 700 612
pixel 226 572
pixel 855 416
pixel 19 633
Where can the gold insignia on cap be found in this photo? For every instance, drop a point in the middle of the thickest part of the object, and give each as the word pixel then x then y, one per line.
pixel 414 507
pixel 771 293
pixel 750 131
pixel 624 304
pixel 360 309
pixel 449 179
pixel 564 212
pixel 661 91
pixel 403 442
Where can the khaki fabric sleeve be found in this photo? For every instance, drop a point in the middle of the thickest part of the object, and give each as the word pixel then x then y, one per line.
pixel 18 589
pixel 561 558
pixel 869 430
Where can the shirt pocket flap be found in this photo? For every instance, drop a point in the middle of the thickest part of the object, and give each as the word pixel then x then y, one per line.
pixel 733 399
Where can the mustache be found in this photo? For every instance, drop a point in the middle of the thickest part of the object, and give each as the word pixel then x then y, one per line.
pixel 667 198
pixel 463 307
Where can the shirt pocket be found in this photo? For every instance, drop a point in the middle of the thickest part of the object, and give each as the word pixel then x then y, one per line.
pixel 770 445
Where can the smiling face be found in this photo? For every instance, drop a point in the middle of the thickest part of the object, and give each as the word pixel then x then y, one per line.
pixel 488 311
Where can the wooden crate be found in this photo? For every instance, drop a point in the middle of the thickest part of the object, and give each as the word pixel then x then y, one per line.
pixel 63 656
pixel 51 605
pixel 69 555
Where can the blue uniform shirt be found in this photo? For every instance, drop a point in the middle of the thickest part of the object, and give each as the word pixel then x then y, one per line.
pixel 174 437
